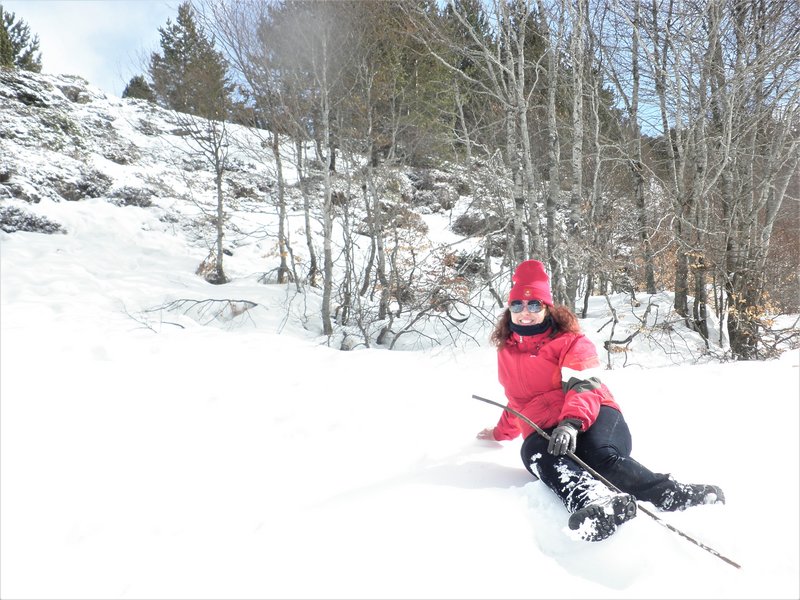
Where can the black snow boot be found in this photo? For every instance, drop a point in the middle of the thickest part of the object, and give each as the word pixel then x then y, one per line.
pixel 595 509
pixel 680 496
pixel 600 519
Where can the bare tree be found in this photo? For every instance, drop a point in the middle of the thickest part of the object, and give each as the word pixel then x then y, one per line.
pixel 757 107
pixel 623 69
pixel 244 29
pixel 210 140
pixel 499 70
pixel 316 42
pixel 725 77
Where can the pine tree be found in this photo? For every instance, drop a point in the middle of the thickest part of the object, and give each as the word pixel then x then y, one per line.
pixel 190 75
pixel 16 40
pixel 139 88
pixel 6 50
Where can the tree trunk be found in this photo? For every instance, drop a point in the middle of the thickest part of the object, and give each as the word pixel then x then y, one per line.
pixel 220 276
pixel 327 207
pixel 283 267
pixel 554 253
pixel 637 165
pixel 575 256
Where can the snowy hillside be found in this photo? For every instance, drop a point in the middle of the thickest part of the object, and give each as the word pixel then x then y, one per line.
pixel 65 141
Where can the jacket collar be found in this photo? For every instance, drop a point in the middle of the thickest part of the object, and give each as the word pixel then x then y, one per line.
pixel 525 341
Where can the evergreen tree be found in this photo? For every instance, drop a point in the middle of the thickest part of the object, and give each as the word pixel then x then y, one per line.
pixel 139 88
pixel 6 51
pixel 189 75
pixel 16 42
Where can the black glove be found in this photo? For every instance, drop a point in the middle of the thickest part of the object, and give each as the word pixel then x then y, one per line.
pixel 564 437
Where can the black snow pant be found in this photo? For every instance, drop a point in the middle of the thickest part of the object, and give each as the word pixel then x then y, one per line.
pixel 606 447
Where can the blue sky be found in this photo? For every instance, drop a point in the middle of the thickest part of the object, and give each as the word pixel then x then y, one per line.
pixel 105 41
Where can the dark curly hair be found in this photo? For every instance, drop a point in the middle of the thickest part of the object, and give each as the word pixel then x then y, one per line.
pixel 564 321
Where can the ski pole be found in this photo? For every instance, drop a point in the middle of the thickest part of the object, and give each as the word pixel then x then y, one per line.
pixel 594 473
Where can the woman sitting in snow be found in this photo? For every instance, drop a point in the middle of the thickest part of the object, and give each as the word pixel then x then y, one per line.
pixel 548 369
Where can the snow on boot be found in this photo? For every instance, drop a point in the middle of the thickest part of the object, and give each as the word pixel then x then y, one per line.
pixel 681 496
pixel 600 519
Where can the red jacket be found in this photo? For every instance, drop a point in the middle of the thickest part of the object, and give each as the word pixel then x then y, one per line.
pixel 530 370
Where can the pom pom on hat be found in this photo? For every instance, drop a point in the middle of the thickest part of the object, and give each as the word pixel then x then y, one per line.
pixel 531 283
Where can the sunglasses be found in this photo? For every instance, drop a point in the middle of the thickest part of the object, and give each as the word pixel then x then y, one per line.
pixel 534 306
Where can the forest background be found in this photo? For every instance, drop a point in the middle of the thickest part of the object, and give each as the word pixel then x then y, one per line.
pixel 632 146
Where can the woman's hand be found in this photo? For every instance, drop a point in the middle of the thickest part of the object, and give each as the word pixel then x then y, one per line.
pixel 486 434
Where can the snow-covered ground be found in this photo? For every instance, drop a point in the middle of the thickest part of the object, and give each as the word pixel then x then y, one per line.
pixel 156 455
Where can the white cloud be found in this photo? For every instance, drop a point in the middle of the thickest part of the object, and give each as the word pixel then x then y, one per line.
pixel 105 41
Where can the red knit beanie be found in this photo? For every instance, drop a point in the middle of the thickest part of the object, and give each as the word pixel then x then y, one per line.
pixel 531 283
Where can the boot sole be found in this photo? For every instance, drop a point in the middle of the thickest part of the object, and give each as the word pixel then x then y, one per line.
pixel 627 510
pixel 603 520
